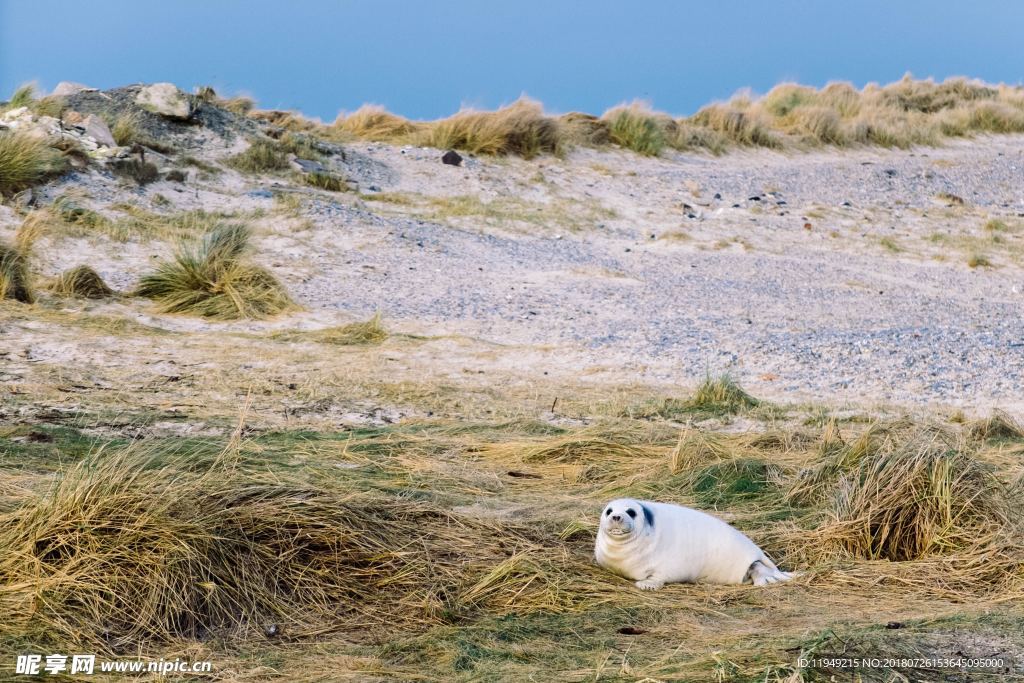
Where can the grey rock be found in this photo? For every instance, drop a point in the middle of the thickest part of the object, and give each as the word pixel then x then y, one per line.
pixel 165 99
pixel 260 194
pixel 451 158
pixel 307 166
pixel 97 129
pixel 69 88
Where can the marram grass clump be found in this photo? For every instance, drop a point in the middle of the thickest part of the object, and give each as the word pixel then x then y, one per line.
pixel 81 282
pixel 15 280
pixel 902 114
pixel 909 493
pixel 26 161
pixel 143 546
pixel 213 279
pixel 373 122
pixel 637 128
pixel 325 180
pixel 720 395
pixel 715 397
pixel 262 156
pixel 520 129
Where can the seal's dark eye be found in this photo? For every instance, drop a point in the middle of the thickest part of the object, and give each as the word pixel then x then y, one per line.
pixel 607 512
pixel 631 512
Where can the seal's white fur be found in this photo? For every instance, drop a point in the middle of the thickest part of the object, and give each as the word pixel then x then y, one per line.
pixel 658 543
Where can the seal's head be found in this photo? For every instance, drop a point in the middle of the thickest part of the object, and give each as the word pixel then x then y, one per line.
pixel 626 518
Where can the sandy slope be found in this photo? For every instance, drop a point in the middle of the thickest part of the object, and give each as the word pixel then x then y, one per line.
pixel 827 276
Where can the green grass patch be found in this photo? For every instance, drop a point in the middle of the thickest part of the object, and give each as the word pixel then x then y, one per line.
pixel 733 481
pixel 636 128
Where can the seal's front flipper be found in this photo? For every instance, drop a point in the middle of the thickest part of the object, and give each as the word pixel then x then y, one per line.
pixel 650 584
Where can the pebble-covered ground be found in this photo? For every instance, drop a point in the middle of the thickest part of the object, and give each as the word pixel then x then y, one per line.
pixel 837 276
pixel 793 292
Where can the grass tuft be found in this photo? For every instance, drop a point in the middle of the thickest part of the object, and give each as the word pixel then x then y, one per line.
pixel 262 156
pixel 721 395
pixel 372 122
pixel 325 181
pixel 998 425
pixel 637 128
pixel 371 331
pixel 23 96
pixel 82 282
pixel 265 155
pixel 213 280
pixel 135 169
pixel 126 129
pixel 521 129
pixel 26 161
pixel 907 493
pixel 15 282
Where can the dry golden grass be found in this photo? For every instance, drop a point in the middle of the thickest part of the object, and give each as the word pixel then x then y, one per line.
pixel 15 279
pixel 462 548
pixel 372 122
pixel 16 282
pixel 920 493
pixel 521 128
pixel 125 129
pixel 637 127
pixel 902 114
pixel 371 331
pixel 145 546
pixel 82 282
pixel 26 161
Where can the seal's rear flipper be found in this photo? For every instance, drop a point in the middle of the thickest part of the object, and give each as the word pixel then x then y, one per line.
pixel 764 572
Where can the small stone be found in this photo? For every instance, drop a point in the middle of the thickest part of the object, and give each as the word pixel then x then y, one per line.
pixel 451 158
pixel 260 194
pixel 97 129
pixel 718 195
pixel 307 166
pixel 272 630
pixel 165 99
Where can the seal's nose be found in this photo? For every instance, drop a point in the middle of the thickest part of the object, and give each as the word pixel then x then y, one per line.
pixel 616 518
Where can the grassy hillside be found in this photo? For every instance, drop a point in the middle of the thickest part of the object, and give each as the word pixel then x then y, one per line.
pixel 461 549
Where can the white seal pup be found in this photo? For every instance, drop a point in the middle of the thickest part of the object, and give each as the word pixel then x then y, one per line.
pixel 658 543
